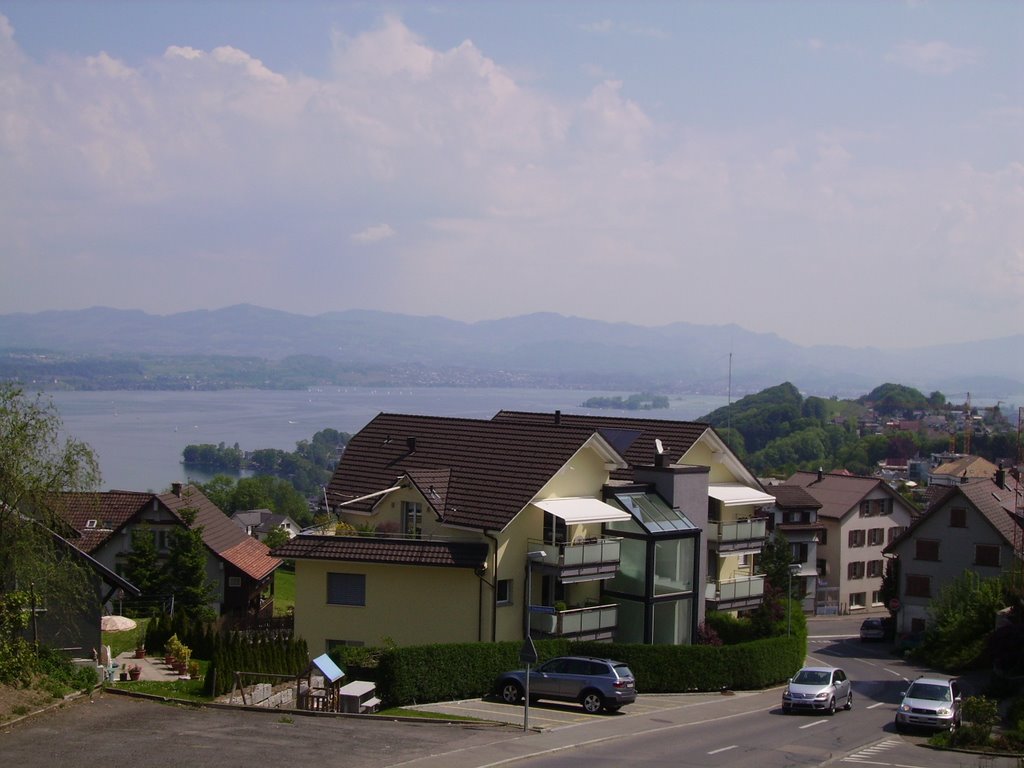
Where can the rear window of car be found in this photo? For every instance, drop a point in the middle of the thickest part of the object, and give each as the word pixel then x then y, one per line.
pixel 623 671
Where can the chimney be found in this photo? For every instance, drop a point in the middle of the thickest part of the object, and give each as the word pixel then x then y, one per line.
pixel 1001 476
pixel 176 489
pixel 659 459
pixel 821 474
pixel 558 418
pixel 411 442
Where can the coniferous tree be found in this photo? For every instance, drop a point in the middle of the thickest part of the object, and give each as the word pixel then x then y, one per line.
pixel 186 569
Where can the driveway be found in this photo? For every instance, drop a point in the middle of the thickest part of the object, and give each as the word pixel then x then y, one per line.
pixel 112 730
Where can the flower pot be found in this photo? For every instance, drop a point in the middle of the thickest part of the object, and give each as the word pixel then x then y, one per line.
pixel 123 677
pixel 135 674
pixel 140 652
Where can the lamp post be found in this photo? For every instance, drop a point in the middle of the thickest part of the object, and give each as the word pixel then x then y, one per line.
pixel 531 557
pixel 794 568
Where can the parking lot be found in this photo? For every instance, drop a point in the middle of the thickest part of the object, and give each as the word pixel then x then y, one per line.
pixel 547 715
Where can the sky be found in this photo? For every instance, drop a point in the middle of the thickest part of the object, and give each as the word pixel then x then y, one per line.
pixel 846 173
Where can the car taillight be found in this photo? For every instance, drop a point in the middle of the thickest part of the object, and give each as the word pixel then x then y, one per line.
pixel 620 684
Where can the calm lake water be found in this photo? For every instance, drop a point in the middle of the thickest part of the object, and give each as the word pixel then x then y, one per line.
pixel 139 436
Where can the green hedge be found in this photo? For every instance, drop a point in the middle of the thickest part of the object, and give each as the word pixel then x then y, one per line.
pixel 426 673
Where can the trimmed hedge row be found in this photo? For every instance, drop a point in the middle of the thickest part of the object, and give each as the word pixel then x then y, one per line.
pixel 426 673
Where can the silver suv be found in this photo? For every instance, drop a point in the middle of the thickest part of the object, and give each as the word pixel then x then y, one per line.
pixel 594 683
pixel 930 702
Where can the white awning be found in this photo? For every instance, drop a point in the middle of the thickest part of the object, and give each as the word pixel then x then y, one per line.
pixel 583 510
pixel 737 494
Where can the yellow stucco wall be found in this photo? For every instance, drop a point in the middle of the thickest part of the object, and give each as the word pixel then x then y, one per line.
pixel 407 605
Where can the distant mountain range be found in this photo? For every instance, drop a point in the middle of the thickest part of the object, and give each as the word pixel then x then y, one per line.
pixel 542 349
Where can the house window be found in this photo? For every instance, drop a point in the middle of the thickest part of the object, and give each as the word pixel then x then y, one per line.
pixel 798 553
pixel 926 549
pixel 958 517
pixel 874 568
pixel 855 570
pixel 986 554
pixel 857 600
pixel 876 537
pixel 162 540
pixel 823 537
pixel 90 523
pixel 865 508
pixel 346 589
pixel 412 519
pixel 857 538
pixel 918 586
pixel 822 568
pixel 503 592
pixel 895 531
pixel 876 597
pixel 234 581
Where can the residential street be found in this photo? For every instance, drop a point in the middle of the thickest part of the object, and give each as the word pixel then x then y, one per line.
pixel 747 728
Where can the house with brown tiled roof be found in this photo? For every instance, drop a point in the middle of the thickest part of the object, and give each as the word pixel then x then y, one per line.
pixel 973 526
pixel 960 468
pixel 795 517
pixel 239 566
pixel 525 524
pixel 861 515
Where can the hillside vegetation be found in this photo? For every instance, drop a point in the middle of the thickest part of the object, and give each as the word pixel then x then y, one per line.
pixel 778 431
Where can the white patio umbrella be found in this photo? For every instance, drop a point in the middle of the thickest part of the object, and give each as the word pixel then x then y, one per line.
pixel 116 623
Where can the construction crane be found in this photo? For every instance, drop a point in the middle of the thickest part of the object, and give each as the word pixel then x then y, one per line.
pixel 968 425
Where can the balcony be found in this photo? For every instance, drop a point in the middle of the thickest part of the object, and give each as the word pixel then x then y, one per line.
pixel 581 560
pixel 596 622
pixel 738 535
pixel 734 594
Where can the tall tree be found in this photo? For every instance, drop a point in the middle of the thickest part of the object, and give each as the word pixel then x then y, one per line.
pixel 36 463
pixel 143 568
pixel 185 569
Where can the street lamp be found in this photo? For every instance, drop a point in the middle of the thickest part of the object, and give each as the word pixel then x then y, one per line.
pixel 793 569
pixel 530 657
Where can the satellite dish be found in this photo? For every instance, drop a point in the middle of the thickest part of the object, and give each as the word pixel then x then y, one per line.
pixel 658 446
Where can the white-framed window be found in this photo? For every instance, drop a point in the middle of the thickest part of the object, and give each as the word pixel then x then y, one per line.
pixel 90 523
pixel 412 518
pixel 876 597
pixel 346 589
pixel 503 592
pixel 857 600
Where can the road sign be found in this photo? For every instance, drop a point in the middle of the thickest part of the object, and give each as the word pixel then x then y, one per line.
pixel 528 653
pixel 894 604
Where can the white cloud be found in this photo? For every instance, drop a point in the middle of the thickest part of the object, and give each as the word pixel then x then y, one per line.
pixel 374 234
pixel 934 57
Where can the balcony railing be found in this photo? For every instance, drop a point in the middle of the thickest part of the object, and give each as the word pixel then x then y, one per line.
pixel 596 622
pixel 743 590
pixel 734 534
pixel 581 560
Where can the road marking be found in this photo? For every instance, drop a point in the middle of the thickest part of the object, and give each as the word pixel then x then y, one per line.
pixel 723 749
pixel 879 704
pixel 811 725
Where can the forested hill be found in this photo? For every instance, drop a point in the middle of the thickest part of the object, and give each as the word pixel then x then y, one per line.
pixel 778 430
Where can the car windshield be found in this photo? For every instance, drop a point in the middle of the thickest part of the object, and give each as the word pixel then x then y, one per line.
pixel 812 677
pixel 929 691
pixel 871 624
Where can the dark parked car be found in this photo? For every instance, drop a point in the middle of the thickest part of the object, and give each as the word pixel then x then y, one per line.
pixel 932 703
pixel 872 629
pixel 818 689
pixel 594 683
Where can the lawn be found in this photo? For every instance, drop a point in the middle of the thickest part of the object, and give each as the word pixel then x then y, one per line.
pixel 284 591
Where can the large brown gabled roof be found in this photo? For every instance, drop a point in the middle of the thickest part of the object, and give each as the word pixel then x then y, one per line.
pixel 632 437
pixel 108 512
pixel 483 473
pixel 839 492
pixel 793 497
pixel 221 535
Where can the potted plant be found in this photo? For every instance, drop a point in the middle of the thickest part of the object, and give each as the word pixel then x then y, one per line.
pixel 134 671
pixel 140 651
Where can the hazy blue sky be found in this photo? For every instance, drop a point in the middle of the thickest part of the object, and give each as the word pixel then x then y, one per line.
pixel 833 172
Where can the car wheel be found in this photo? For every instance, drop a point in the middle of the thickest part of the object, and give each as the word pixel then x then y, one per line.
pixel 831 707
pixel 849 702
pixel 511 692
pixel 592 702
pixel 899 726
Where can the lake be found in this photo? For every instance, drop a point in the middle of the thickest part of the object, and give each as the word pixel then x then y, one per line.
pixel 138 437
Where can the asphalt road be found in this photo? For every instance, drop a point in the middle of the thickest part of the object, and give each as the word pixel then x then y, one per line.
pixel 746 729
